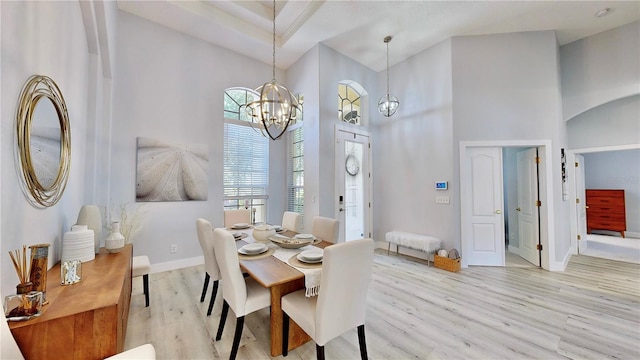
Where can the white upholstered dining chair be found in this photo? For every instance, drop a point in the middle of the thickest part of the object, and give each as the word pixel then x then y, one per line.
pixel 236 216
pixel 325 228
pixel 292 221
pixel 205 237
pixel 341 302
pixel 243 295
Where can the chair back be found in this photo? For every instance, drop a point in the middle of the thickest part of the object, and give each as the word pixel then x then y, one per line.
pixel 205 237
pixel 326 228
pixel 234 289
pixel 342 299
pixel 236 216
pixel 292 221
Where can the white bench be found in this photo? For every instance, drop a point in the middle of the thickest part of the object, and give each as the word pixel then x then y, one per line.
pixel 427 244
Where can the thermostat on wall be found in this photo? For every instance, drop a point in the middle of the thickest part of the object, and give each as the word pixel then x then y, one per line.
pixel 442 185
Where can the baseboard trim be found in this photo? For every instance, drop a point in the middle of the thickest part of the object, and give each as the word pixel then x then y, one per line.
pixel 177 264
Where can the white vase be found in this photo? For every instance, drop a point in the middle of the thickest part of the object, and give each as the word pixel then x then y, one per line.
pixel 115 240
pixel 90 215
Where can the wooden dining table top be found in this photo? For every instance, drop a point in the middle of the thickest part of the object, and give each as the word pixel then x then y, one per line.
pixel 270 271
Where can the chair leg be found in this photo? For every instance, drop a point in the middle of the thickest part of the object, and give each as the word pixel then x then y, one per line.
pixel 285 334
pixel 363 343
pixel 213 296
pixel 205 286
pixel 319 352
pixel 223 318
pixel 145 284
pixel 237 337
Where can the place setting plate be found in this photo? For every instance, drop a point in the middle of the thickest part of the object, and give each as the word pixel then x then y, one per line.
pixel 253 249
pixel 240 226
pixel 311 256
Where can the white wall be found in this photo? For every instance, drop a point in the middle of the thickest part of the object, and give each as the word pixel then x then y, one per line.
pixel 45 38
pixel 617 170
pixel 414 148
pixel 507 87
pixel 611 124
pixel 600 68
pixel 304 78
pixel 170 86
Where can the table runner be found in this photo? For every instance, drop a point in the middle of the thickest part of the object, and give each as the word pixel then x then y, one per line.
pixel 311 276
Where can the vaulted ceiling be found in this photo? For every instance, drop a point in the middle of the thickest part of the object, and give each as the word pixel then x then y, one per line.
pixel 357 28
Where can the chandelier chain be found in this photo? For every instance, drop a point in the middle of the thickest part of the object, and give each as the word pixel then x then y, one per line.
pixel 274 41
pixel 388 65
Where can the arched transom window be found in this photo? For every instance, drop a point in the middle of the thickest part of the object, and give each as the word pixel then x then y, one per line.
pixel 349 104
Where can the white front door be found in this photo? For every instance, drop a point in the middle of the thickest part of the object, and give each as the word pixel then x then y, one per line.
pixel 353 184
pixel 581 204
pixel 528 216
pixel 481 206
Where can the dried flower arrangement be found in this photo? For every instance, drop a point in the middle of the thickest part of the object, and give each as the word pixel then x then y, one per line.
pixel 23 269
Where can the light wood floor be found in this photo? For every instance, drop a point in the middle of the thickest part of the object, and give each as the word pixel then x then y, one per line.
pixel 590 311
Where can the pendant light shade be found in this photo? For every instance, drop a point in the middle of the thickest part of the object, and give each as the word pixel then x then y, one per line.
pixel 388 104
pixel 277 107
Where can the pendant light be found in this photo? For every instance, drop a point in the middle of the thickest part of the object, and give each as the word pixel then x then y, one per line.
pixel 388 104
pixel 277 107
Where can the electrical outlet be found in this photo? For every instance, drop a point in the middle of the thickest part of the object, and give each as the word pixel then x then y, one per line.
pixel 174 248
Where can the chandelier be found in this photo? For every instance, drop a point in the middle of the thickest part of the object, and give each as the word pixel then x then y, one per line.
pixel 388 104
pixel 277 107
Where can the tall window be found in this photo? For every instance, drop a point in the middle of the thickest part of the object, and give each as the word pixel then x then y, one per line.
pixel 295 169
pixel 246 157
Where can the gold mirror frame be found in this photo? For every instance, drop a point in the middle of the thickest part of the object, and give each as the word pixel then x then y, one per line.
pixel 37 88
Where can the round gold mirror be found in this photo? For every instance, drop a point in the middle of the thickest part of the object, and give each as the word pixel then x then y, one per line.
pixel 43 141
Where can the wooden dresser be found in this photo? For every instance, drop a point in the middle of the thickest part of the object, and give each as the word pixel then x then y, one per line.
pixel 605 211
pixel 87 320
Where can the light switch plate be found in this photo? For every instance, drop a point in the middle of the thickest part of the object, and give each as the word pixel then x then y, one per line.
pixel 442 199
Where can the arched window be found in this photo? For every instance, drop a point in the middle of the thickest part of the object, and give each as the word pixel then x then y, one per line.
pixel 350 102
pixel 235 100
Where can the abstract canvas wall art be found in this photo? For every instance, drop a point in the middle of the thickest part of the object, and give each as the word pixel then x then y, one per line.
pixel 171 172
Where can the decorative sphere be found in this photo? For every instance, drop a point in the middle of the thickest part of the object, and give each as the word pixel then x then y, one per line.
pixel 388 105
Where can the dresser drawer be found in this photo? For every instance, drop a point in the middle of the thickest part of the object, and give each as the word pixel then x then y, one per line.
pixel 605 201
pixel 604 208
pixel 605 217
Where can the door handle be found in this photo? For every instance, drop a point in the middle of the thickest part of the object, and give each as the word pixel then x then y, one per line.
pixel 498 212
pixel 341 209
pixel 518 209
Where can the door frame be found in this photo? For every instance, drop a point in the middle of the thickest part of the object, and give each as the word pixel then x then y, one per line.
pixel 547 223
pixel 338 185
pixel 571 173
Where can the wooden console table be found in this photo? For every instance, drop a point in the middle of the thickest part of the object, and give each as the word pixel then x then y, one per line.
pixel 87 320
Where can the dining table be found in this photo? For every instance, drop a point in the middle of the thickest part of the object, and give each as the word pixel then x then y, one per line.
pixel 281 279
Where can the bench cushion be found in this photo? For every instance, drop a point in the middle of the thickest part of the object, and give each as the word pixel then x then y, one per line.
pixel 413 241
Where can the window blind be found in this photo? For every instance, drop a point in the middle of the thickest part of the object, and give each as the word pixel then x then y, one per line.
pixel 246 165
pixel 295 171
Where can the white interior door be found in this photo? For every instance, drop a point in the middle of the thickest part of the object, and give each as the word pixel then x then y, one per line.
pixel 581 208
pixel 353 184
pixel 481 205
pixel 528 216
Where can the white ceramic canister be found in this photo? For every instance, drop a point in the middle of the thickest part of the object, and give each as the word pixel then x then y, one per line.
pixel 90 215
pixel 78 244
